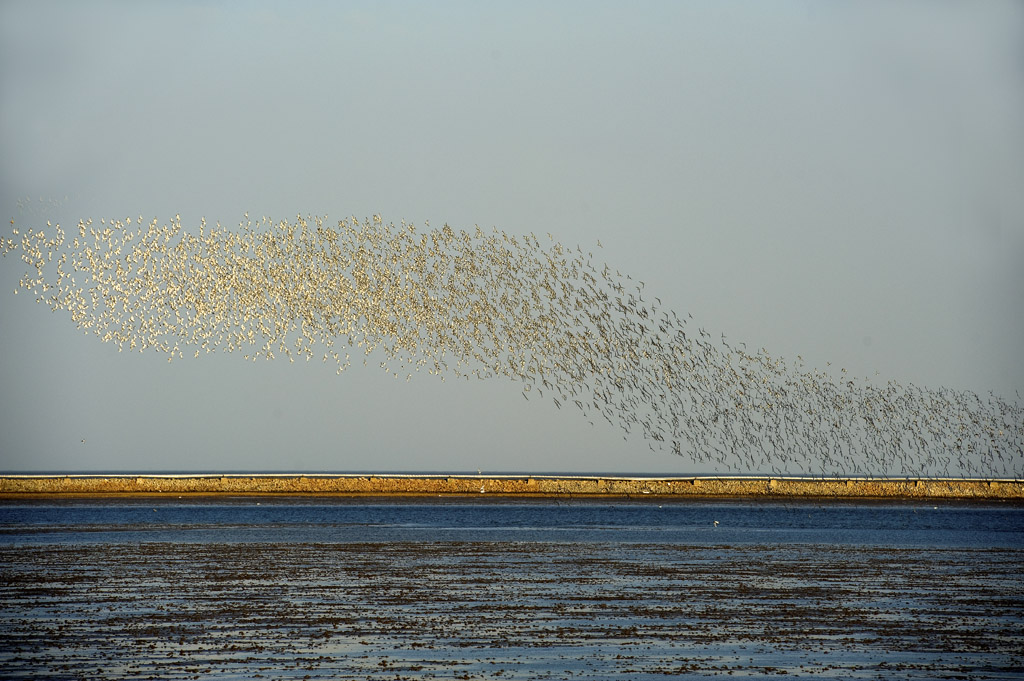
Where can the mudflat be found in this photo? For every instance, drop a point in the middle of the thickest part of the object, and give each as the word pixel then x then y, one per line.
pixel 536 610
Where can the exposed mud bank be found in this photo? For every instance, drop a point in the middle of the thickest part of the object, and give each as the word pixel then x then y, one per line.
pixel 526 486
pixel 490 610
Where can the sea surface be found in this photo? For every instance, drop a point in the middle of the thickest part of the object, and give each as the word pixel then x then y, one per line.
pixel 294 588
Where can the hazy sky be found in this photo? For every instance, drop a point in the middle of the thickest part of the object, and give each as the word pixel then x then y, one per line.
pixel 836 180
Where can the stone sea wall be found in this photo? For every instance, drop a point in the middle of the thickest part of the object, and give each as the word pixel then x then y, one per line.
pixel 516 486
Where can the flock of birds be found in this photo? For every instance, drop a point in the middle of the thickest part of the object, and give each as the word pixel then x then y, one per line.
pixel 482 304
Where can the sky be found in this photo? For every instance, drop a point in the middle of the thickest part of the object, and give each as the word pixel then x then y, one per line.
pixel 839 181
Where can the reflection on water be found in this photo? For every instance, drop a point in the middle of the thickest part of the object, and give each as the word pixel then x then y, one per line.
pixel 306 589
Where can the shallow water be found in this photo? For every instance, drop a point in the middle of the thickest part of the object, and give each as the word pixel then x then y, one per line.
pixel 312 519
pixel 319 588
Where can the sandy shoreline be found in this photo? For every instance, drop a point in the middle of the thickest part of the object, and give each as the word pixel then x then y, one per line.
pixel 20 486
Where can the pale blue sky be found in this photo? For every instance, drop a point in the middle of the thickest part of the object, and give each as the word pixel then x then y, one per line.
pixel 835 180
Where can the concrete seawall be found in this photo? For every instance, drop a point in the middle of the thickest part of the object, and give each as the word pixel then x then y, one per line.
pixel 18 486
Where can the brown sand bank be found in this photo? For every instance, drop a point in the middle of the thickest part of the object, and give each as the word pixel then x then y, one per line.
pixel 515 486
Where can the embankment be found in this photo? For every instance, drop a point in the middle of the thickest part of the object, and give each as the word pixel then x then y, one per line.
pixel 21 486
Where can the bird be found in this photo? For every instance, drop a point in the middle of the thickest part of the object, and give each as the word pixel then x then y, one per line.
pixel 473 304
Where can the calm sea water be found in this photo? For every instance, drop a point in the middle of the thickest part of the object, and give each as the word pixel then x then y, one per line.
pixel 262 519
pixel 297 588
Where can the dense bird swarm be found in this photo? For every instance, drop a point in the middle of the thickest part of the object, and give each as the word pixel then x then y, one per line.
pixel 482 304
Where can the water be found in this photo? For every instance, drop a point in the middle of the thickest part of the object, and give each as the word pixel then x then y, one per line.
pixel 261 519
pixel 329 588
